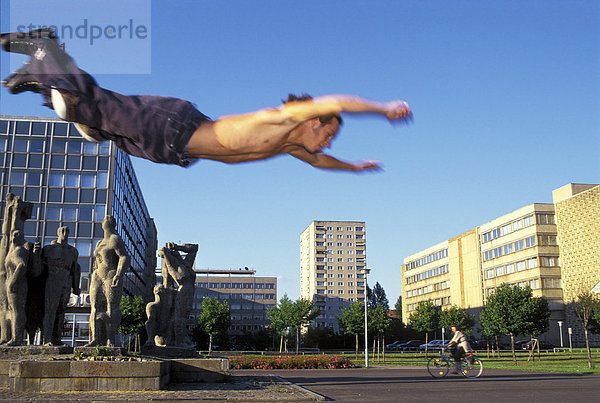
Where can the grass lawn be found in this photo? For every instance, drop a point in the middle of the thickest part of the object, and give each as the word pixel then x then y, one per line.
pixel 575 362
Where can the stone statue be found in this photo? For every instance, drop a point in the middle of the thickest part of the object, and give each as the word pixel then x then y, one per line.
pixel 168 314
pixel 63 274
pixel 159 311
pixel 106 286
pixel 16 264
pixel 16 211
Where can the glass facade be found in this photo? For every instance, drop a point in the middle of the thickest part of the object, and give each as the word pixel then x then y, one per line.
pixel 75 183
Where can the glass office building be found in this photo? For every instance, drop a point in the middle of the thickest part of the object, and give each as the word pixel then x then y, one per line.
pixel 75 183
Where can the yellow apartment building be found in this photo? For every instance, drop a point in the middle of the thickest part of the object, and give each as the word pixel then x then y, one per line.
pixel 525 247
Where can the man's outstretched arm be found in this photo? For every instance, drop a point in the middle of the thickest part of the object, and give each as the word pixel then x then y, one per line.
pixel 325 161
pixel 335 104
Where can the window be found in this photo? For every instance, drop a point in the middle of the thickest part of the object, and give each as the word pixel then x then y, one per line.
pixel 550 261
pixel 517 225
pixel 521 266
pixel 548 240
pixel 518 245
pixel 358 229
pixel 552 283
pixel 528 221
pixel 532 263
pixel 534 284
pixel 17 178
pixel 510 268
pixel 529 242
pixel 500 271
pixel 506 229
pixel 545 219
pixel 72 180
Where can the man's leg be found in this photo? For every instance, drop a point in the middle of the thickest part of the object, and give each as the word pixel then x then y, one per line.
pixel 50 306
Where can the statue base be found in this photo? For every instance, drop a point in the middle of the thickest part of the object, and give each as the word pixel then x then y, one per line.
pixel 35 350
pixel 169 352
pixel 100 351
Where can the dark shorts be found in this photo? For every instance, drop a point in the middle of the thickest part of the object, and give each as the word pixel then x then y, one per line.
pixel 151 127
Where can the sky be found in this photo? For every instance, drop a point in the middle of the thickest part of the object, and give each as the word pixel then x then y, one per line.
pixel 505 95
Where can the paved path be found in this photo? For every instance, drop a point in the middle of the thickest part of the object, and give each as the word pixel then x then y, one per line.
pixel 393 384
pixel 376 384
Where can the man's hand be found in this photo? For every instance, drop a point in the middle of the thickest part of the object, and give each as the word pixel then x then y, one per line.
pixel 398 110
pixel 368 165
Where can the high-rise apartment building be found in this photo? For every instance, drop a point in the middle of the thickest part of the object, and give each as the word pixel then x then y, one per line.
pixel 249 297
pixel 526 248
pixel 332 261
pixel 75 183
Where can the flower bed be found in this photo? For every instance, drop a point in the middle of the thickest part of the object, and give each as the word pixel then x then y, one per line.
pixel 290 362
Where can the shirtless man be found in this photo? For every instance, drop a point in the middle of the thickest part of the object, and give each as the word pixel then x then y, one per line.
pixel 106 286
pixel 173 131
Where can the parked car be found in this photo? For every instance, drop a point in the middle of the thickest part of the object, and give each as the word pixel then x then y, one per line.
pixel 411 345
pixel 395 345
pixel 544 345
pixel 432 345
pixel 478 344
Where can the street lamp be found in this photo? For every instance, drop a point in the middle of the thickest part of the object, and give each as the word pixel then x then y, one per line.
pixel 560 329
pixel 570 340
pixel 366 272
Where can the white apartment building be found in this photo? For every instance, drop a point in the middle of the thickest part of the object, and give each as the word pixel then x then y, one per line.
pixel 332 258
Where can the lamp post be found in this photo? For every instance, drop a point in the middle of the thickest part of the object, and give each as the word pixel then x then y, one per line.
pixel 560 329
pixel 366 272
pixel 570 340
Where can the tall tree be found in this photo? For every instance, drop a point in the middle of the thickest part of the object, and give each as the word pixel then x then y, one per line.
pixel 511 310
pixel 379 322
pixel 459 317
pixel 587 308
pixel 490 326
pixel 303 311
pixel 398 307
pixel 133 316
pixel 281 317
pixel 426 318
pixel 376 296
pixel 214 319
pixel 352 321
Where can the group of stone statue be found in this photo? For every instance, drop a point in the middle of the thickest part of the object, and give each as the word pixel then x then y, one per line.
pixel 36 284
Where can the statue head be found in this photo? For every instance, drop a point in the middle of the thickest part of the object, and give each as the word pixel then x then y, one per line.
pixel 63 234
pixel 109 224
pixel 17 237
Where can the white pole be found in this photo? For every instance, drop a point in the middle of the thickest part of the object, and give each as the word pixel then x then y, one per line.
pixel 560 330
pixel 570 341
pixel 366 324
pixel 73 331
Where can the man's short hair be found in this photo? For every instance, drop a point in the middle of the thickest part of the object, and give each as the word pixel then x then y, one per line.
pixel 307 97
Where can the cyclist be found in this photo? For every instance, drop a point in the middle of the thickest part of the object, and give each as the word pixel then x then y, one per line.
pixel 462 345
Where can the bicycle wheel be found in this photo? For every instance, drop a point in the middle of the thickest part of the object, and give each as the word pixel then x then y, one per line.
pixel 472 369
pixel 438 367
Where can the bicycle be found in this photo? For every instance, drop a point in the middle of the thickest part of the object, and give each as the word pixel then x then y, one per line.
pixel 469 366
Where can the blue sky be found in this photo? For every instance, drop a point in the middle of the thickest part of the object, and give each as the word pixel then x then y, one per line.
pixel 506 97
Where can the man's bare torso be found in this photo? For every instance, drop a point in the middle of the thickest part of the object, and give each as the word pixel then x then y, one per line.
pixel 247 137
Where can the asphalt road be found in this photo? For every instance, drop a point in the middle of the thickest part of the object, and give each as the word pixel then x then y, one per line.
pixel 393 384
